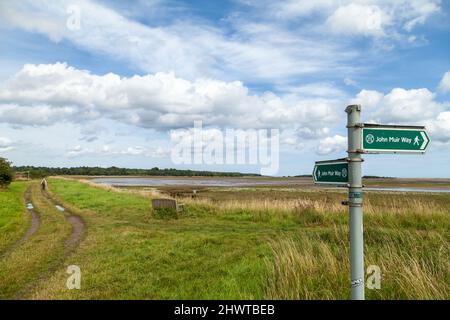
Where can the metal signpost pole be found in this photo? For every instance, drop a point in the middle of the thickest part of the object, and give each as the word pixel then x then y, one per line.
pixel 355 201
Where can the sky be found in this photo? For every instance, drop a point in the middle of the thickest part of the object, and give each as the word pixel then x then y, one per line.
pixel 111 83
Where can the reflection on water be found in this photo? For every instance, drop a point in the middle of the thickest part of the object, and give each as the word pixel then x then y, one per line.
pixel 231 182
pixel 401 189
pixel 160 182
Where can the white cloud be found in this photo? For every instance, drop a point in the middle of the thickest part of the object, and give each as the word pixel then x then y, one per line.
pixel 291 141
pixel 306 133
pixel 5 144
pixel 106 150
pixel 158 152
pixel 369 98
pixel 75 151
pixel 440 128
pixel 354 17
pixel 407 107
pixel 400 106
pixel 20 14
pixel 36 115
pixel 191 48
pixel 316 89
pixel 419 11
pixel 134 151
pixel 249 48
pixel 350 82
pixel 444 85
pixel 357 19
pixel 334 144
pixel 295 8
pixel 91 131
pixel 46 94
pixel 270 49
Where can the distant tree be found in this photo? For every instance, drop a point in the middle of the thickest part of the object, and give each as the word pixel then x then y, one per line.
pixel 6 174
pixel 38 172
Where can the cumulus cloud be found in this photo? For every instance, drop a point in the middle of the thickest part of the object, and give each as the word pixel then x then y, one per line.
pixel 407 107
pixel 5 144
pixel 440 128
pixel 357 19
pixel 45 94
pixel 36 115
pixel 444 85
pixel 400 106
pixel 334 144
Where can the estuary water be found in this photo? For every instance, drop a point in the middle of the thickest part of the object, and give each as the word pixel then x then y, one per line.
pixel 236 182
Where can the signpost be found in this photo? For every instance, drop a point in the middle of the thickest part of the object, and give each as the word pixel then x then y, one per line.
pixel 355 202
pixel 365 138
pixel 394 139
pixel 331 172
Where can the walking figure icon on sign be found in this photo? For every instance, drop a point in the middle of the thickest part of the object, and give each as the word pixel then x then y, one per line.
pixel 416 140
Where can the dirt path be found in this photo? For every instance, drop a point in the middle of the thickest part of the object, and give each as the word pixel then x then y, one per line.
pixel 35 223
pixel 78 225
pixel 78 233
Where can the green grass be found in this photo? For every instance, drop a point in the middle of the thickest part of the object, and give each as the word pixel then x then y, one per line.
pixel 252 243
pixel 35 259
pixel 14 219
pixel 129 253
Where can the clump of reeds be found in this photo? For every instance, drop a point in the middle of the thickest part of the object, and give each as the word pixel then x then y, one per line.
pixel 308 267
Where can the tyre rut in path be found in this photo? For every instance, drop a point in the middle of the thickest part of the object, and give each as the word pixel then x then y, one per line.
pixel 35 223
pixel 78 225
pixel 77 234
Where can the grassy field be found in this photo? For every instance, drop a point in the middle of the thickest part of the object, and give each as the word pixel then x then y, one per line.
pixel 13 217
pixel 38 257
pixel 250 243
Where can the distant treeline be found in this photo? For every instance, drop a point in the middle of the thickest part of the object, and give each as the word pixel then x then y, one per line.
pixel 365 177
pixel 36 172
pixel 377 177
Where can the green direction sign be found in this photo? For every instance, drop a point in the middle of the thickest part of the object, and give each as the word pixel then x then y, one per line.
pixel 392 139
pixel 331 172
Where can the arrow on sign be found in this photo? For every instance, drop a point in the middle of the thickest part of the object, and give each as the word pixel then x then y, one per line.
pixel 425 140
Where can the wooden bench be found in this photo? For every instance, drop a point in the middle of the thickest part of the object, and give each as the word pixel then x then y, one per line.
pixel 167 204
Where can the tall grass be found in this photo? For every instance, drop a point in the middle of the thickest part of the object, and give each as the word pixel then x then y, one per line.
pixel 406 237
pixel 307 267
pixel 392 211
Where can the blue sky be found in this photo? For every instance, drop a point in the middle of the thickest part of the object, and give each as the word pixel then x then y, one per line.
pixel 109 83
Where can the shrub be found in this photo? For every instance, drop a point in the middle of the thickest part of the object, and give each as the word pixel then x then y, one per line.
pixel 6 174
pixel 165 213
